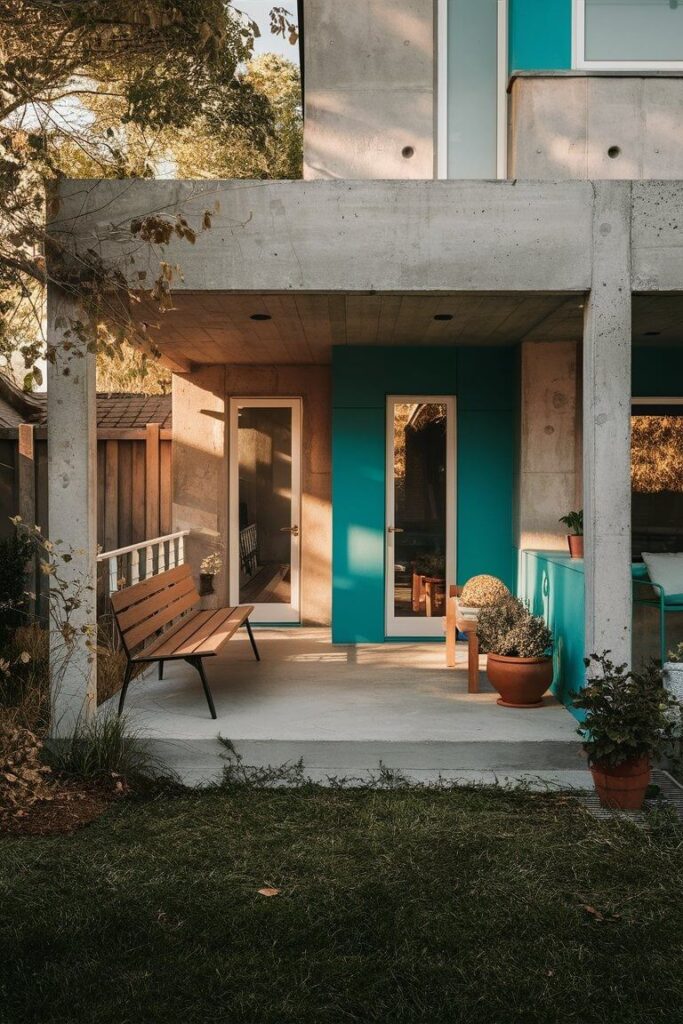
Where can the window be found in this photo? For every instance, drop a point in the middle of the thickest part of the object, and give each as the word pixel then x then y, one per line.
pixel 472 84
pixel 628 34
pixel 657 475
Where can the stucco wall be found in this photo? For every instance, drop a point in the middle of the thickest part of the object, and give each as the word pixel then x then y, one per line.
pixel 370 89
pixel 592 126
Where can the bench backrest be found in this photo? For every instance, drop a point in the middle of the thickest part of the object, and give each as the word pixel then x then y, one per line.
pixel 143 609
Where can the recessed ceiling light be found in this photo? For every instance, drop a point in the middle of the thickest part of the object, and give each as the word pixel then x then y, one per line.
pixel 260 316
pixel 443 316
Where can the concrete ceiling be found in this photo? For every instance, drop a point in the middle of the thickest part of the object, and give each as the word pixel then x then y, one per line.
pixel 216 327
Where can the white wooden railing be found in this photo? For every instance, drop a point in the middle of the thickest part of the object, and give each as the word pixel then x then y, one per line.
pixel 126 566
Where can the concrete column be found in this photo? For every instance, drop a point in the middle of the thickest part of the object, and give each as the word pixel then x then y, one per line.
pixel 607 427
pixel 549 471
pixel 72 493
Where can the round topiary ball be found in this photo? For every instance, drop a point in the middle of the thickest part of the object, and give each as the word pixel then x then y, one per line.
pixel 483 591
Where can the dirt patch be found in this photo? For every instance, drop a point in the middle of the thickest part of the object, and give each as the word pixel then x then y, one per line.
pixel 72 806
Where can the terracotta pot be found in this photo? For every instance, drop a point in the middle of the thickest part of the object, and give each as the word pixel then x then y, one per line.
pixel 521 682
pixel 205 584
pixel 622 786
pixel 575 545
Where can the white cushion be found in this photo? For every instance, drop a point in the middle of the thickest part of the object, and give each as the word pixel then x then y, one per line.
pixel 666 570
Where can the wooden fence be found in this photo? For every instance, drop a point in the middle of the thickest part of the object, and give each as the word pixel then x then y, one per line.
pixel 133 482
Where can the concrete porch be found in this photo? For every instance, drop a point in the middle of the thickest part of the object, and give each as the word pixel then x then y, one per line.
pixel 343 709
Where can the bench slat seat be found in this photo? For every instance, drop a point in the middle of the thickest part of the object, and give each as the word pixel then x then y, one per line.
pixel 159 620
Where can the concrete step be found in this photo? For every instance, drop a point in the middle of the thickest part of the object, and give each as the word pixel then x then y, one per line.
pixel 543 763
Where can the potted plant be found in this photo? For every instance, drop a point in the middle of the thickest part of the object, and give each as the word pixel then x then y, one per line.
pixel 210 567
pixel 574 523
pixel 628 724
pixel 480 592
pixel 519 663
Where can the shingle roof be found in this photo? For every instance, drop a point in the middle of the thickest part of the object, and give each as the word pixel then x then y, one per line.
pixel 121 411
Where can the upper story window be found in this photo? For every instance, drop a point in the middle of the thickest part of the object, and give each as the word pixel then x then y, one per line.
pixel 472 63
pixel 628 34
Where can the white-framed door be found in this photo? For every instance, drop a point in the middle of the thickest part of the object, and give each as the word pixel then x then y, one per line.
pixel 420 527
pixel 265 507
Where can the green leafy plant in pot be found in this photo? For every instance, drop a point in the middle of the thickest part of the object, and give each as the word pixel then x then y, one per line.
pixel 628 725
pixel 519 663
pixel 574 523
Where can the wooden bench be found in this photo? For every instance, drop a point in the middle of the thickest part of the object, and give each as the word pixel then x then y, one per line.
pixel 144 611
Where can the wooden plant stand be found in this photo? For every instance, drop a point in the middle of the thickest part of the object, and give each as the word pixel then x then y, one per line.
pixel 455 622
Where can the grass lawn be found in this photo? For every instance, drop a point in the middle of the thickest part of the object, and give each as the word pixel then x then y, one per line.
pixel 395 906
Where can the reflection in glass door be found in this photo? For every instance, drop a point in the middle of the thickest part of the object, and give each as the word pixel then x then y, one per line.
pixel 420 527
pixel 265 506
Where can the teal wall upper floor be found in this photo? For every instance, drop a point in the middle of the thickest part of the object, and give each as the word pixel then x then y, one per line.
pixel 540 35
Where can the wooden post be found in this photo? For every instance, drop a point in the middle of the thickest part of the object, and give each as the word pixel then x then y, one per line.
pixel 152 503
pixel 26 472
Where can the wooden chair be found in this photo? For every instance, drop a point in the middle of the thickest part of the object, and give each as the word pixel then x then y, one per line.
pixel 455 622
pixel 145 614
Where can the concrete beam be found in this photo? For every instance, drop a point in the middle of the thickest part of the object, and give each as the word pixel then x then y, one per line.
pixel 607 427
pixel 72 487
pixel 657 236
pixel 336 236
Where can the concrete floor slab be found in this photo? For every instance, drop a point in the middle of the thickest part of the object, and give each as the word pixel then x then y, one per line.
pixel 345 708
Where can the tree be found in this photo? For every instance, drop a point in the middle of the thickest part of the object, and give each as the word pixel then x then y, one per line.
pixel 90 86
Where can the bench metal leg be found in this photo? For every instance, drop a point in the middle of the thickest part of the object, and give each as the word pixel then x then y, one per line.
pixel 197 663
pixel 247 623
pixel 161 669
pixel 124 688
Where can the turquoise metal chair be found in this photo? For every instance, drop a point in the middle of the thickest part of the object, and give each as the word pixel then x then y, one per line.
pixel 656 599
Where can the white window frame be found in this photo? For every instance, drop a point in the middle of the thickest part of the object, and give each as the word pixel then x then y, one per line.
pixel 408 626
pixel 580 63
pixel 266 612
pixel 442 90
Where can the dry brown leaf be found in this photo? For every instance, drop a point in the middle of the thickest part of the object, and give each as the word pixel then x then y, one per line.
pixel 269 890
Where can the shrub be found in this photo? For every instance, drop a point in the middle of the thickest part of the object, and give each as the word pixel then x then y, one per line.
pixel 25 678
pixel 15 553
pixel 628 714
pixel 508 629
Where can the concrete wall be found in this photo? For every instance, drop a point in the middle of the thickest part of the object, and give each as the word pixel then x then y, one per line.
pixel 200 467
pixel 549 483
pixel 592 126
pixel 370 89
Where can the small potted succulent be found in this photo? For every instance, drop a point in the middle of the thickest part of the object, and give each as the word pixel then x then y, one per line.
pixel 630 720
pixel 210 567
pixel 519 663
pixel 574 523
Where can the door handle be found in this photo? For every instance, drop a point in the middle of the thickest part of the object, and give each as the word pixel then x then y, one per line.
pixel 294 530
pixel 395 529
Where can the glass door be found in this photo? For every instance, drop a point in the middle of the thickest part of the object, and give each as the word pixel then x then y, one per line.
pixel 420 513
pixel 265 506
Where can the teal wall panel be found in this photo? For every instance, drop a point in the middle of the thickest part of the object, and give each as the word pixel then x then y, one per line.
pixel 540 33
pixel 485 383
pixel 553 585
